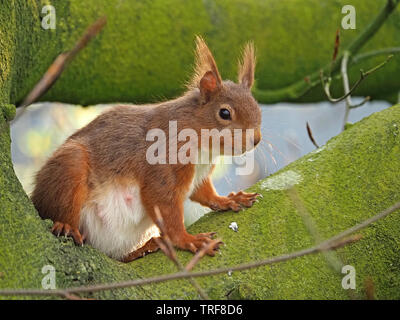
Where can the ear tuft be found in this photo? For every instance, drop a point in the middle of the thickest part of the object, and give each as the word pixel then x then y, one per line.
pixel 247 66
pixel 204 62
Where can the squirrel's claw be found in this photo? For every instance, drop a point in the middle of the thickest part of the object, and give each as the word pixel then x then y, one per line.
pixel 66 230
pixel 225 204
pixel 243 198
pixel 235 201
pixel 206 234
pixel 197 242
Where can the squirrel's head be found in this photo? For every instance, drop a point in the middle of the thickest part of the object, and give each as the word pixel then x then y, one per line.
pixel 225 104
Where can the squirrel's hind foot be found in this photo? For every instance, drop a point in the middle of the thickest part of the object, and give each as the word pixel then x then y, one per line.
pixel 197 242
pixel 149 247
pixel 64 229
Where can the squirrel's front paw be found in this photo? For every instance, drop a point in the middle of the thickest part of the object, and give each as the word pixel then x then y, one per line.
pixel 235 201
pixel 223 204
pixel 243 198
pixel 64 229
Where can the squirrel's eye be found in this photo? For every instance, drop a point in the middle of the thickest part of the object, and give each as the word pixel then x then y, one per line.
pixel 225 114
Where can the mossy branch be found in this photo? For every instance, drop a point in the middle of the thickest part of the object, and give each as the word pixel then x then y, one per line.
pixel 59 64
pixel 167 247
pixel 338 241
pixel 301 87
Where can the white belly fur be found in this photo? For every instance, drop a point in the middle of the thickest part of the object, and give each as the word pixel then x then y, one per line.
pixel 115 222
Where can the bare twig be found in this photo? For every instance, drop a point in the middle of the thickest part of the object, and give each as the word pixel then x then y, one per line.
pixel 301 87
pixel 349 105
pixel 346 241
pixel 168 248
pixel 58 66
pixel 332 243
pixel 326 85
pixel 70 296
pixel 346 87
pixel 310 135
pixel 364 101
pixel 330 256
pixel 367 55
pixel 369 288
pixel 164 242
pixel 197 257
pixel 336 49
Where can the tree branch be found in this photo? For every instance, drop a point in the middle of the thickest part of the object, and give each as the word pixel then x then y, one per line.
pixel 371 54
pixel 333 243
pixel 58 66
pixel 326 85
pixel 301 87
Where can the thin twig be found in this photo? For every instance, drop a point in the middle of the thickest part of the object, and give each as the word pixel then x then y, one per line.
pixel 310 135
pixel 330 256
pixel 367 55
pixel 332 243
pixel 70 296
pixel 348 105
pixel 364 101
pixel 168 248
pixel 343 70
pixel 197 257
pixel 58 66
pixel 346 87
pixel 369 288
pixel 336 49
pixel 301 87
pixel 326 85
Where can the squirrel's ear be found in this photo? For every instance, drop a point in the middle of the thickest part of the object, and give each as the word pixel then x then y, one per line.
pixel 204 63
pixel 247 66
pixel 208 86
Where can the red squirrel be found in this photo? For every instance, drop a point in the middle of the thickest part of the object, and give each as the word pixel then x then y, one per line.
pixel 98 186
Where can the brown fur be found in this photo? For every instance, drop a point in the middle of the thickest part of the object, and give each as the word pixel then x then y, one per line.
pixel 247 66
pixel 204 62
pixel 113 147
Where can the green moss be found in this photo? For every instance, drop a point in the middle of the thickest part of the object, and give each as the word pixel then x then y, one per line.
pixel 8 111
pixel 348 125
pixel 145 52
pixel 354 176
